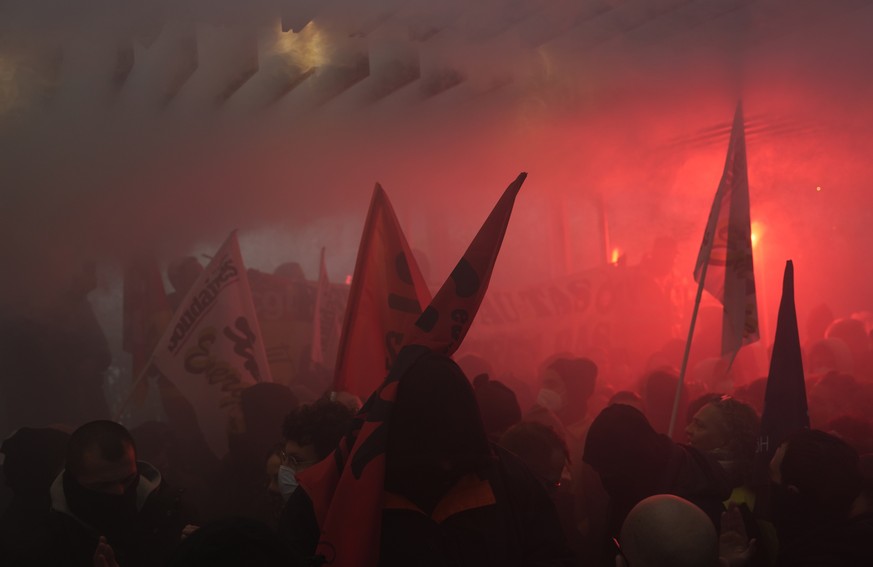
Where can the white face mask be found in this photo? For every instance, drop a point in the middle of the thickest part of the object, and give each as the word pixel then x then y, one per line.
pixel 550 399
pixel 287 481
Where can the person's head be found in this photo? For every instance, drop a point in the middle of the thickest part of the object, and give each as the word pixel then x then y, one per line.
pixel 832 395
pixel 854 430
pixel 101 457
pixel 818 321
pixel 854 334
pixel 473 365
pixel 101 475
pixel 311 432
pixel 497 404
pixel 263 407
pixel 817 476
pixel 697 403
pixel 32 460
pixel 724 424
pixel 567 385
pixel 290 270
pixel 667 531
pixel 753 394
pixel 436 430
pixel 827 355
pixel 540 448
pixel 659 393
pixel 628 398
pixel 183 272
pixel 627 454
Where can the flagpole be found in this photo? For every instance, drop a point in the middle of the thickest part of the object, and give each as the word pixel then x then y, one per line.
pixel 685 356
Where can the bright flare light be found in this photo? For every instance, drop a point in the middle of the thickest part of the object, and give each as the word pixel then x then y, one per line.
pixel 757 229
pixel 616 254
pixel 306 49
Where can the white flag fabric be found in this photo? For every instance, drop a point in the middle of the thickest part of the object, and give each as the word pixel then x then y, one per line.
pixel 727 249
pixel 212 348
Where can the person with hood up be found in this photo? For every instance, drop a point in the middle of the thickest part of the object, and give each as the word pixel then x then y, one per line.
pixel 635 462
pixel 449 497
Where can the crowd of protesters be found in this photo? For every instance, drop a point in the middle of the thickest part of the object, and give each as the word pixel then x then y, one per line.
pixel 479 469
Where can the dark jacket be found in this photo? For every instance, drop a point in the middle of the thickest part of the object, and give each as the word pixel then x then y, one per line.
pixel 635 462
pixel 500 517
pixel 147 541
pixel 831 545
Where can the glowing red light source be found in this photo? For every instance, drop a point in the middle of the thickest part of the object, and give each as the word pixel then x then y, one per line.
pixel 818 189
pixel 349 279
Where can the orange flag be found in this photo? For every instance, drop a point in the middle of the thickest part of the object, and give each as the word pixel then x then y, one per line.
pixel 725 258
pixel 146 314
pixel 386 297
pixel 445 322
pixel 346 489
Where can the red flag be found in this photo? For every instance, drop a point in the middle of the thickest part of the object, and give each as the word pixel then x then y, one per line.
pixel 445 322
pixel 346 489
pixel 725 258
pixel 146 314
pixel 386 297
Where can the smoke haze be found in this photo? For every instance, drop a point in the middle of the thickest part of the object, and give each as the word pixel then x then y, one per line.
pixel 163 125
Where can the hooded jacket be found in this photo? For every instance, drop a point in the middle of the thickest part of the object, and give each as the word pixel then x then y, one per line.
pixel 147 539
pixel 635 462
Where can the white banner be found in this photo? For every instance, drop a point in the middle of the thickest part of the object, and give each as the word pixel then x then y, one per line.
pixel 212 348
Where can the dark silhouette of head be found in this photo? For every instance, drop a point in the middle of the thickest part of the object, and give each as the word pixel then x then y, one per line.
pixel 497 404
pixel 659 393
pixel 628 455
pixel 853 333
pixel 32 460
pixel 107 439
pixel 101 476
pixel 574 380
pixel 436 434
pixel 820 474
pixel 183 272
pixel 264 407
pixel 320 424
pixel 854 430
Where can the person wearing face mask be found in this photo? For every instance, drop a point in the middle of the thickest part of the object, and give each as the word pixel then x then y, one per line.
pixel 311 432
pixel 567 385
pixel 253 432
pixel 105 503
